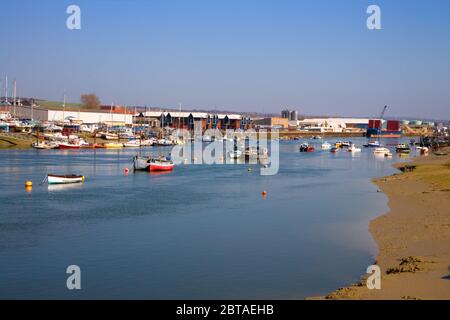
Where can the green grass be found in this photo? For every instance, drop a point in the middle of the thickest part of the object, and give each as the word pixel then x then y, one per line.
pixel 57 105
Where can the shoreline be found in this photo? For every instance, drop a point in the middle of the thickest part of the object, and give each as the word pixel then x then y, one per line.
pixel 413 237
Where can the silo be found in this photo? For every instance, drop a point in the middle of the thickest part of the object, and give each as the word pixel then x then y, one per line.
pixel 293 115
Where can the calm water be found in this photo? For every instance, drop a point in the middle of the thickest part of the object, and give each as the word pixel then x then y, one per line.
pixel 199 232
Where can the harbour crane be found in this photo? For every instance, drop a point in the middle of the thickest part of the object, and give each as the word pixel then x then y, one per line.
pixel 381 121
pixel 383 112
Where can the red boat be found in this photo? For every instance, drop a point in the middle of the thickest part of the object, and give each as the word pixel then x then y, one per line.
pixel 69 146
pixel 160 165
pixel 152 164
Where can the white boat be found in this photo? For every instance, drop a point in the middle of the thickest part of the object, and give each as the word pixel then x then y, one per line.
pixel 381 150
pixel 44 145
pixel 345 144
pixel 164 142
pixel 373 144
pixel 64 179
pixel 326 146
pixel 207 138
pixel 251 153
pixel 235 154
pixel 132 144
pixel 110 136
pixel 147 142
pixel 353 148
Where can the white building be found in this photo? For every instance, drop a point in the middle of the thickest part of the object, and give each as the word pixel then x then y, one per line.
pixel 42 114
pixel 333 124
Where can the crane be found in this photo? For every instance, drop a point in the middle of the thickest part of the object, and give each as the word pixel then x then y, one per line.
pixel 383 112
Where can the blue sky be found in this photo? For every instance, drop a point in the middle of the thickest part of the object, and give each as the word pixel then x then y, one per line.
pixel 316 56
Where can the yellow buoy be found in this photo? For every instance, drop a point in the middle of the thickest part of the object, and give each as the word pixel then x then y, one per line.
pixel 82 178
pixel 28 184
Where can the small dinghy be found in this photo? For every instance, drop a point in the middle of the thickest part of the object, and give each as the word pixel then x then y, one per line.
pixel 334 149
pixel 353 148
pixel 304 147
pixel 64 179
pixel 326 146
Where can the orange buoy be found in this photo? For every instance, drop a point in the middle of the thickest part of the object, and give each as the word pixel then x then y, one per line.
pixel 264 193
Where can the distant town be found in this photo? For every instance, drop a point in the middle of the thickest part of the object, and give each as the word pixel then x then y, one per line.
pixel 85 117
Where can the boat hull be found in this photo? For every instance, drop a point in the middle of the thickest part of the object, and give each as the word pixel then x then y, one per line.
pixel 69 146
pixel 160 167
pixel 56 179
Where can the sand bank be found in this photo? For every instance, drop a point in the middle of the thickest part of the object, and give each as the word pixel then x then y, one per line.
pixel 414 236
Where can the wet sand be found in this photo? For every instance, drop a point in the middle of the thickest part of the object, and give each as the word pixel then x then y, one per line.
pixel 413 237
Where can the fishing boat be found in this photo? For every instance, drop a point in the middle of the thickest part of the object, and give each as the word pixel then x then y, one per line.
pixel 152 164
pixel 353 148
pixel 64 179
pixel 113 145
pixel 381 150
pixel 334 149
pixel 325 146
pixel 372 144
pixel 69 145
pixel 402 148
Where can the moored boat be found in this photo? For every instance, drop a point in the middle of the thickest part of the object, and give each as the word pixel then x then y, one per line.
pixel 64 179
pixel 334 149
pixel 113 145
pixel 69 145
pixel 304 147
pixel 235 154
pixel 110 136
pixel 353 148
pixel 132 144
pixel 326 146
pixel 372 144
pixel 44 145
pixel 402 148
pixel 152 164
pixel 381 150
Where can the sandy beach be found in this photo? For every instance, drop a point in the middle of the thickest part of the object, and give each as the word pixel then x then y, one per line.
pixel 414 236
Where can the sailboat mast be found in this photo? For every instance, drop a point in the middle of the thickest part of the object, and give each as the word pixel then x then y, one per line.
pixel 179 116
pixel 64 106
pixel 15 98
pixel 6 89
